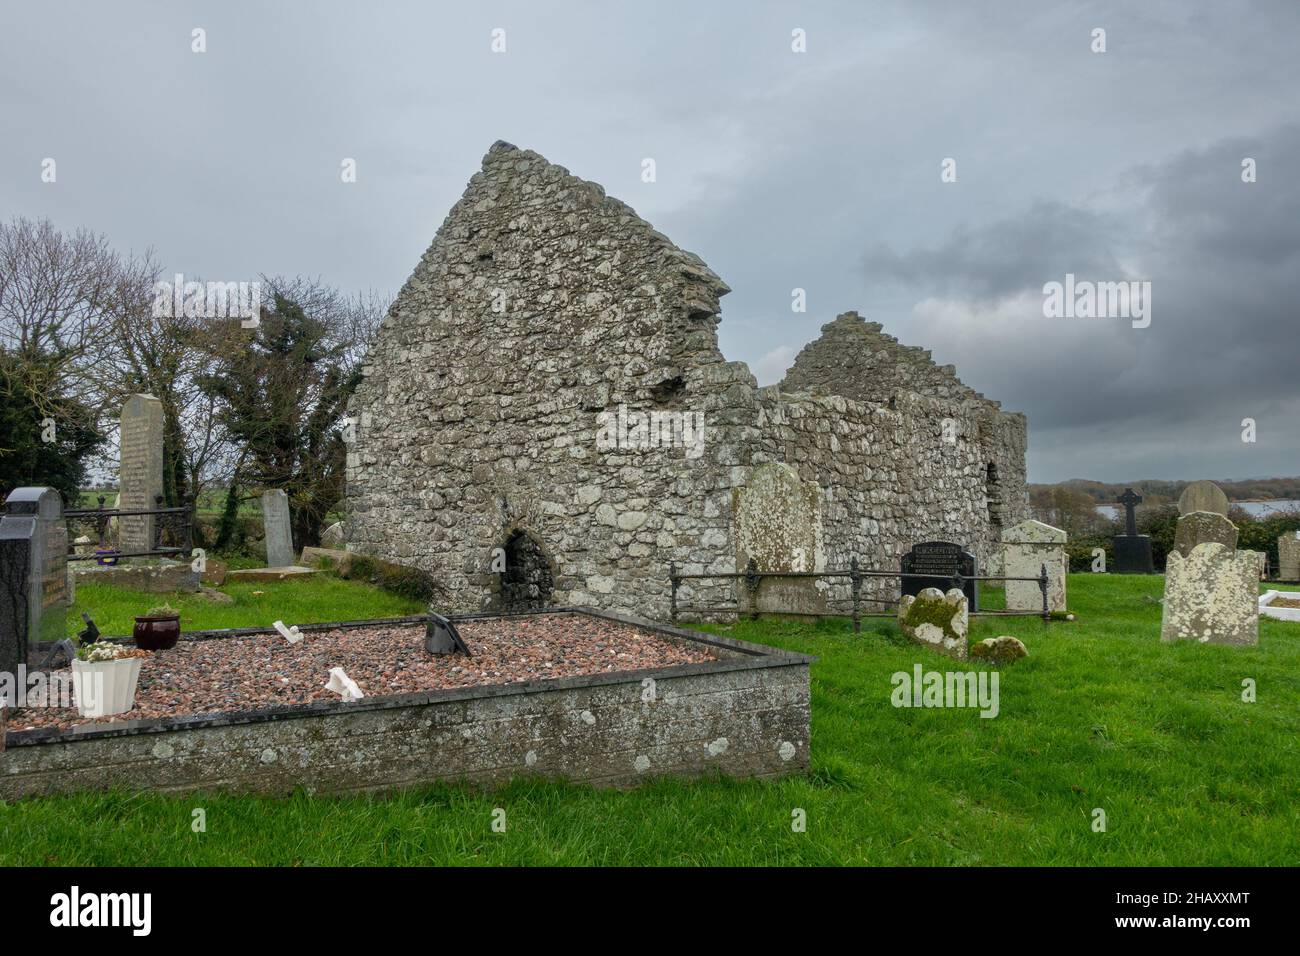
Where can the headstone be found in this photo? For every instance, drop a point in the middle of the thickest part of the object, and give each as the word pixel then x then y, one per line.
pixel 1261 559
pixel 936 620
pixel 140 475
pixel 33 573
pixel 1198 527
pixel 1026 548
pixel 943 558
pixel 777 521
pixel 1203 496
pixel 1132 550
pixel 279 533
pixel 332 537
pixel 1288 556
pixel 1211 596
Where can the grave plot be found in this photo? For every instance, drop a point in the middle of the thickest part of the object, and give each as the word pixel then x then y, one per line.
pixel 570 694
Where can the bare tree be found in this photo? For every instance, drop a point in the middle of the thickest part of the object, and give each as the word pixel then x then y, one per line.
pixel 59 298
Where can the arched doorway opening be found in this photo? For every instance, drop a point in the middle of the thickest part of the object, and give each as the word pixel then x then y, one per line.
pixel 527 582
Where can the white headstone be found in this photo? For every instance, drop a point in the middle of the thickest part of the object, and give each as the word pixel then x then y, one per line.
pixel 1026 547
pixel 1211 596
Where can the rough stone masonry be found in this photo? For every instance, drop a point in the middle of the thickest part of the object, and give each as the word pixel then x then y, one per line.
pixel 546 418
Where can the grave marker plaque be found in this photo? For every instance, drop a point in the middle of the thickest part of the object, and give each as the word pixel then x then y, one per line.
pixel 942 558
pixel 33 573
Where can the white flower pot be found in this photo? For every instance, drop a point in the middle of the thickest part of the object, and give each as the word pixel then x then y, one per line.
pixel 103 688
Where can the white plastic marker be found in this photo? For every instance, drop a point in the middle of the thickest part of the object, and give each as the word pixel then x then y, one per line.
pixel 290 634
pixel 343 685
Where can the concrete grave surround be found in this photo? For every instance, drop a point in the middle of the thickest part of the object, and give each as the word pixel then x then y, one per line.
pixel 1203 496
pixel 1211 596
pixel 743 715
pixel 1026 547
pixel 936 620
pixel 1288 556
pixel 543 310
pixel 1267 608
pixel 278 527
pixel 140 470
pixel 1199 527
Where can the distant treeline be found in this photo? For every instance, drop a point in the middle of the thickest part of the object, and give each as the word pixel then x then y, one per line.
pixel 1156 491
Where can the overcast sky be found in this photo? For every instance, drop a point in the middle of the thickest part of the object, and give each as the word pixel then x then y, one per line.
pixel 817 170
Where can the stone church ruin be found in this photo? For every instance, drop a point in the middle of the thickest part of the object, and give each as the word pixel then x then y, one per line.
pixel 529 428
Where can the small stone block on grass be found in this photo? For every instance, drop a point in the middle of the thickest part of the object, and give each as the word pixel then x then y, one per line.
pixel 288 573
pixel 999 650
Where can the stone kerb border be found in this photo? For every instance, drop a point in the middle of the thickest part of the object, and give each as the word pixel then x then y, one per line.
pixel 746 714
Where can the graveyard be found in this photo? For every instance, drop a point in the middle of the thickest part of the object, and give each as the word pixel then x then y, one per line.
pixel 650 612
pixel 1100 715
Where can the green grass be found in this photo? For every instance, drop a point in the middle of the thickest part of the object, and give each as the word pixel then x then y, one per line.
pixel 1101 715
pixel 310 601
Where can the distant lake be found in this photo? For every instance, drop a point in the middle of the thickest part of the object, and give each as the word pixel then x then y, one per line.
pixel 1257 509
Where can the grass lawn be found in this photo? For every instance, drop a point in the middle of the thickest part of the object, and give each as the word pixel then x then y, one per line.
pixel 1101 715
pixel 312 601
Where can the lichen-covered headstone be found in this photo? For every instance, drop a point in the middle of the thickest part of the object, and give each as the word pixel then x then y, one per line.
pixel 1288 556
pixel 936 620
pixel 1261 560
pixel 1026 548
pixel 1203 496
pixel 778 524
pixel 1200 527
pixel 1211 596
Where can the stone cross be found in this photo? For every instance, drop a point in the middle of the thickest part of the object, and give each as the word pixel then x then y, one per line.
pixel 33 573
pixel 1130 500
pixel 140 474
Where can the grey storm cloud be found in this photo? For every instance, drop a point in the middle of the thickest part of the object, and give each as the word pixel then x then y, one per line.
pixel 816 171
pixel 1010 256
pixel 1223 258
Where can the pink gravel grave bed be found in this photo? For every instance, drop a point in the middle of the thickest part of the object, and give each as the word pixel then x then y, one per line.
pixel 233 674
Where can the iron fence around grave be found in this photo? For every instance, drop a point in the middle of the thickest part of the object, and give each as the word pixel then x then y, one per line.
pixel 753 578
pixel 170 524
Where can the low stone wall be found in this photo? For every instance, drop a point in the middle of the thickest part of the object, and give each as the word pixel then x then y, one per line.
pixel 744 715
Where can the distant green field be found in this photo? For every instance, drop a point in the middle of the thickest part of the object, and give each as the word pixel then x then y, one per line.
pixel 1101 716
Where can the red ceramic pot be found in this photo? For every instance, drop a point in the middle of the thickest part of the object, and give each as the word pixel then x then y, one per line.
pixel 157 633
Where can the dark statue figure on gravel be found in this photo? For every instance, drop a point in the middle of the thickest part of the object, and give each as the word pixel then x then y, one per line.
pixel 441 637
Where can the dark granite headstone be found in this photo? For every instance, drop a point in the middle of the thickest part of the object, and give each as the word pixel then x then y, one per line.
pixel 1132 550
pixel 33 573
pixel 943 558
pixel 1133 554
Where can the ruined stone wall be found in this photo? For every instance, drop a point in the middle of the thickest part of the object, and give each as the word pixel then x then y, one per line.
pixel 543 311
pixel 541 304
pixel 857 360
pixel 887 479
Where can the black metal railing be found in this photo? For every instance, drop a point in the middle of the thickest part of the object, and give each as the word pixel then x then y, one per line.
pixel 753 578
pixel 174 523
